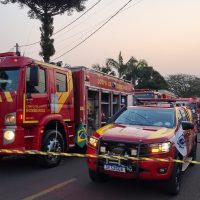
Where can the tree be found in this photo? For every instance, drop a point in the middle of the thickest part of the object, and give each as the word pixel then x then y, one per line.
pixel 45 10
pixel 106 69
pixel 133 69
pixel 184 85
pixel 138 72
pixel 118 65
pixel 150 78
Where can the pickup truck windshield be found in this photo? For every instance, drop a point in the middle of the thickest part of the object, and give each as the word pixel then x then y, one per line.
pixel 148 117
pixel 9 79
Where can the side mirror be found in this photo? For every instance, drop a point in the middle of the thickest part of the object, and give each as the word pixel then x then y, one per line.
pixel 187 125
pixel 34 76
pixel 108 118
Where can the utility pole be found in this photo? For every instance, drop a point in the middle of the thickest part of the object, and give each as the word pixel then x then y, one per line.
pixel 17 49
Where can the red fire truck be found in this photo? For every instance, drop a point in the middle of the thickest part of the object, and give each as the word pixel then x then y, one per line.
pixel 42 104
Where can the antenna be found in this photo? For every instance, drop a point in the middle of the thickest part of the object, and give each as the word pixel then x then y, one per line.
pixel 17 49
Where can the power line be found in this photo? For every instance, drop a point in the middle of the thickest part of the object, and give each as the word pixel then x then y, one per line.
pixel 67 24
pixel 87 29
pixel 88 18
pixel 132 5
pixel 77 17
pixel 82 37
pixel 94 31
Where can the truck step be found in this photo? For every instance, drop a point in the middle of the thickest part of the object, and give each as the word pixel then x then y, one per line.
pixel 185 165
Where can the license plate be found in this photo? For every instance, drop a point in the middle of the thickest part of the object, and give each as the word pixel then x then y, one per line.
pixel 115 168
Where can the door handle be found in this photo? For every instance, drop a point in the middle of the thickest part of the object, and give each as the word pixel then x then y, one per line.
pixel 48 104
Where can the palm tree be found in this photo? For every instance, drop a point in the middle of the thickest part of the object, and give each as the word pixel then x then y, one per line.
pixel 132 70
pixel 106 69
pixel 118 65
pixel 138 72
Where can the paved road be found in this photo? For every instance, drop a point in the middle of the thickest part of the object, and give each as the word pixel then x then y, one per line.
pixel 21 178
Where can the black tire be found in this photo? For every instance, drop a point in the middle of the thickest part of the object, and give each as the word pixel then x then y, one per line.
pixel 172 186
pixel 51 144
pixel 1 156
pixel 194 152
pixel 97 177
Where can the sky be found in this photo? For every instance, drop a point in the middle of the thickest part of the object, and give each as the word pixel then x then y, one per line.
pixel 166 33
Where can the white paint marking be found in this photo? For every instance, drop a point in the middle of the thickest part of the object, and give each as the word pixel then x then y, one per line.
pixel 51 189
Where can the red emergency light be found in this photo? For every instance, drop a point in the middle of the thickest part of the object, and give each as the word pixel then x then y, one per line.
pixel 7 54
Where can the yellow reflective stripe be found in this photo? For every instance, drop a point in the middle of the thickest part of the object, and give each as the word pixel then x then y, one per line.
pixel 103 129
pixel 0 99
pixel 63 96
pixel 61 100
pixel 161 133
pixel 30 122
pixel 8 97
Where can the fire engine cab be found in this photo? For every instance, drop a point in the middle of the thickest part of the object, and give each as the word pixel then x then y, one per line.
pixel 42 104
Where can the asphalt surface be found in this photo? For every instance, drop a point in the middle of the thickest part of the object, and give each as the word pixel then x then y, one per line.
pixel 22 178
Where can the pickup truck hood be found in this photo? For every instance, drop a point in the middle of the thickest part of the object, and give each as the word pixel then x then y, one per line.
pixel 135 133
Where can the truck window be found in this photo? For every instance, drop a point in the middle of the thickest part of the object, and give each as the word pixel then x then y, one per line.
pixel 34 88
pixel 61 82
pixel 9 79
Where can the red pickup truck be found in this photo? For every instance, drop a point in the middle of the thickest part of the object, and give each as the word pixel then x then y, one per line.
pixel 149 131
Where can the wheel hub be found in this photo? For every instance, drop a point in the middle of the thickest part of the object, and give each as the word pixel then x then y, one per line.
pixel 53 146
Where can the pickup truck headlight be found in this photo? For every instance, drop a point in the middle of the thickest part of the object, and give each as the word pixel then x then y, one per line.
pixel 10 119
pixel 93 142
pixel 160 148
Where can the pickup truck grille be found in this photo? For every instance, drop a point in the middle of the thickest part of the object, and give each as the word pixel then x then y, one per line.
pixel 118 148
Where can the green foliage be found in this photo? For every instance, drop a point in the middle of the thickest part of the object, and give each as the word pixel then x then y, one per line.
pixel 104 69
pixel 46 42
pixel 150 78
pixel 45 10
pixel 138 72
pixel 184 85
pixel 118 65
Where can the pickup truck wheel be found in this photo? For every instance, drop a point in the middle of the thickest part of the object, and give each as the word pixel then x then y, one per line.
pixel 172 186
pixel 96 176
pixel 52 142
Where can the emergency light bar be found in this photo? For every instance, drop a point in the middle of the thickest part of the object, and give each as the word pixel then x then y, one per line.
pixel 161 102
pixel 8 54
